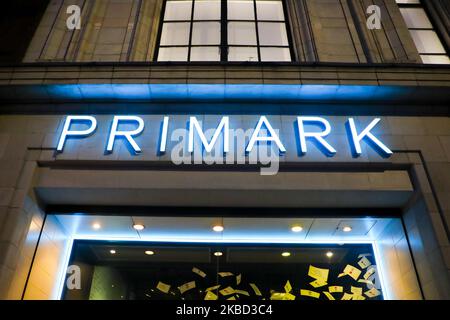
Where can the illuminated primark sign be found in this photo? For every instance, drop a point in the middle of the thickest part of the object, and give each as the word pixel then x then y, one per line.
pixel 304 128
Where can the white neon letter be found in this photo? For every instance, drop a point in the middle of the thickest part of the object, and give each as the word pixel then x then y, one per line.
pixel 127 134
pixel 356 138
pixel 223 125
pixel 165 126
pixel 319 136
pixel 273 136
pixel 76 133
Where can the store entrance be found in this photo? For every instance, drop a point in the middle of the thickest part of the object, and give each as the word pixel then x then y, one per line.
pixel 190 258
pixel 195 271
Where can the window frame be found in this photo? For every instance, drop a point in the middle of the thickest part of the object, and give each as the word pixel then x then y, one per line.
pixel 224 46
pixel 433 28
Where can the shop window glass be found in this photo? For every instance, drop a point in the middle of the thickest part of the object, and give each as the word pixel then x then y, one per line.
pixel 246 30
pixel 178 10
pixel 205 54
pixel 426 39
pixel 175 33
pixel 243 54
pixel 275 54
pixel 204 33
pixel 207 10
pixel 272 34
pixel 149 271
pixel 173 54
pixel 408 1
pixel 270 10
pixel 240 10
pixel 242 33
pixel 416 18
pixel 435 59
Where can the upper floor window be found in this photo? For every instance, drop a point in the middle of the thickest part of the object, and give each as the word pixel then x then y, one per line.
pixel 428 43
pixel 224 30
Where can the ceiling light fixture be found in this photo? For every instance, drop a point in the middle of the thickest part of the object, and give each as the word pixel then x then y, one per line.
pixel 347 229
pixel 112 251
pixel 149 252
pixel 297 228
pixel 286 254
pixel 218 254
pixel 329 254
pixel 96 226
pixel 138 227
pixel 218 228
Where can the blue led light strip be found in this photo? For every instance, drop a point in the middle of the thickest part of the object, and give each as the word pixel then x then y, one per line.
pixel 269 93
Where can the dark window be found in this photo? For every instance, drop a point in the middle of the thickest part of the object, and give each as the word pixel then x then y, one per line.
pixel 175 271
pixel 224 30
pixel 427 40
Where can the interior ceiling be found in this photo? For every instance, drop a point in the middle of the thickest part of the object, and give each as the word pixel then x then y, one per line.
pixel 185 229
pixel 136 253
pixel 270 255
pixel 188 254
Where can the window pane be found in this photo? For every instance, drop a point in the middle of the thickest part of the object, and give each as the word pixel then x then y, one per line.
pixel 207 10
pixel 435 59
pixel 178 10
pixel 242 33
pixel 206 33
pixel 243 54
pixel 416 18
pixel 272 34
pixel 241 10
pixel 173 54
pixel 130 275
pixel 205 54
pixel 427 41
pixel 275 54
pixel 176 33
pixel 408 1
pixel 269 10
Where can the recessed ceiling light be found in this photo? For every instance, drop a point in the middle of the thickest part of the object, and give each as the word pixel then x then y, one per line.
pixel 297 228
pixel 329 254
pixel 96 226
pixel 286 254
pixel 347 229
pixel 112 251
pixel 218 253
pixel 218 228
pixel 149 252
pixel 138 227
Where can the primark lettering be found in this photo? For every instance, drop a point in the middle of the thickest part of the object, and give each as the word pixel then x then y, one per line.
pixel 82 126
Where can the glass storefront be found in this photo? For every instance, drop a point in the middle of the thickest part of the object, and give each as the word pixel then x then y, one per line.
pixel 124 257
pixel 151 271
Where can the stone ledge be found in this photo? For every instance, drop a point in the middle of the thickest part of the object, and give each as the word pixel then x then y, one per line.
pixel 246 73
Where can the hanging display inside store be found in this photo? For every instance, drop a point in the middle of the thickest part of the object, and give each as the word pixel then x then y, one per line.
pixel 226 272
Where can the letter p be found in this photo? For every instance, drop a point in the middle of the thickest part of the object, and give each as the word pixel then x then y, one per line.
pixel 76 133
